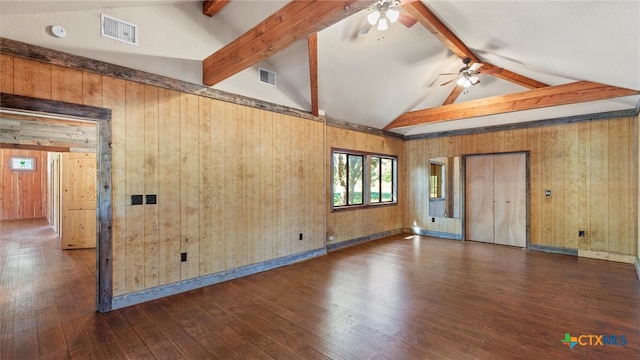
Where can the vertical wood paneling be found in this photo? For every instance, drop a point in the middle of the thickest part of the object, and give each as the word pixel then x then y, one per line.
pixel 351 224
pixel 267 187
pixel 278 140
pixel 234 185
pixel 134 185
pixel 571 186
pixel 232 205
pixel 91 89
pixel 206 187
pixel 66 85
pixel 169 179
pixel 589 167
pixel 619 151
pixel 31 78
pixel 23 193
pixel 599 185
pixel 6 74
pixel 584 185
pixel 536 197
pixel 189 206
pixel 150 164
pixel 217 218
pixel 240 196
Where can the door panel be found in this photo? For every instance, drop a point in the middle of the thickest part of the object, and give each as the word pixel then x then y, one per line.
pixel 78 200
pixel 479 198
pixel 510 215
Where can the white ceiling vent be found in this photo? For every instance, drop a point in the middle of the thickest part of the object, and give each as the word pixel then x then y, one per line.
pixel 267 77
pixel 118 29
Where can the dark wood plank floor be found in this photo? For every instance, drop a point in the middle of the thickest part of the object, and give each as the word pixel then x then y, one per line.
pixel 395 298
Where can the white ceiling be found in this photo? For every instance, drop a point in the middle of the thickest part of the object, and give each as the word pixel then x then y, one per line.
pixel 372 79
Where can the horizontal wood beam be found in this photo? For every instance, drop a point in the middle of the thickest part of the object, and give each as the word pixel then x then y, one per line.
pixel 212 7
pixel 295 21
pixel 313 72
pixel 431 22
pixel 577 92
pixel 35 147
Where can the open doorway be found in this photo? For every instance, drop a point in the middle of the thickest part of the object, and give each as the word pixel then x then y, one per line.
pixel 55 124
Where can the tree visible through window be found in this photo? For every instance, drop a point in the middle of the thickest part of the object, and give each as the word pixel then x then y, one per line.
pixel 353 173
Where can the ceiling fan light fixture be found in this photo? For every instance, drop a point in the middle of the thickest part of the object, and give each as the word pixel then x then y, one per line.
pixel 373 17
pixel 382 24
pixel 392 15
pixel 463 81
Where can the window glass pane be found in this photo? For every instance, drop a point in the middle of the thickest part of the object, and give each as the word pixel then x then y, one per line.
pixel 22 163
pixel 375 179
pixel 386 179
pixel 339 179
pixel 355 186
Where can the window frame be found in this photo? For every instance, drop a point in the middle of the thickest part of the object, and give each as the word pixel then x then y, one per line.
pixel 32 159
pixel 366 180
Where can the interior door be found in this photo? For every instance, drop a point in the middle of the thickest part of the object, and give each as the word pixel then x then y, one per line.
pixel 79 175
pixel 479 198
pixel 510 214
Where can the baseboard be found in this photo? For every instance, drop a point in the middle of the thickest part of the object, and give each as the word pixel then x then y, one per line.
pixel 158 292
pixel 601 255
pixel 363 239
pixel 437 234
pixel 554 249
pixel 637 263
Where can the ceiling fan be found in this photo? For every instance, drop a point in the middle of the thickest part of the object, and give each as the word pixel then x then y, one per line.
pixel 468 75
pixel 384 12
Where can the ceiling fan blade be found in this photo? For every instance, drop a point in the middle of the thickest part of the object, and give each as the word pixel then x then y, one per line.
pixel 476 66
pixel 364 29
pixel 447 82
pixel 407 20
pixel 448 74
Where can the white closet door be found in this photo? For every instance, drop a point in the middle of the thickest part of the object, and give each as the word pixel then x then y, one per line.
pixel 479 198
pixel 510 203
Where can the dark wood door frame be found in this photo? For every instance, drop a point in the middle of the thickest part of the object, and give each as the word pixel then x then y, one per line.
pixel 102 117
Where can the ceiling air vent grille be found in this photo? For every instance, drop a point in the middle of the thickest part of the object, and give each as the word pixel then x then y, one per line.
pixel 118 30
pixel 267 77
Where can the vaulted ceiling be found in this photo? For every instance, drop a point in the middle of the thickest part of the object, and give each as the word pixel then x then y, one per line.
pixel 547 59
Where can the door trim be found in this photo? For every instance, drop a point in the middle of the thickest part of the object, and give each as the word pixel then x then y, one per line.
pixel 527 155
pixel 102 117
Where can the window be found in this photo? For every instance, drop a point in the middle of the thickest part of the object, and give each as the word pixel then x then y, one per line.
pixel 436 181
pixel 361 179
pixel 22 163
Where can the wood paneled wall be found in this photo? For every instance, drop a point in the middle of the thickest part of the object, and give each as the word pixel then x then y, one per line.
pixel 235 185
pixel 590 167
pixel 23 194
pixel 353 224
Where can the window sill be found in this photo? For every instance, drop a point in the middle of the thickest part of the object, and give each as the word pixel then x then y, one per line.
pixel 359 207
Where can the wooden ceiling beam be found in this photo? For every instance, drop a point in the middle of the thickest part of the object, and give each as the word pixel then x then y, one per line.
pixel 457 90
pixel 313 72
pixel 577 92
pixel 295 21
pixel 212 7
pixel 431 22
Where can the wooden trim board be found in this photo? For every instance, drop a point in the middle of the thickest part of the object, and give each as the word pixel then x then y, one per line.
pixel 553 249
pixel 637 264
pixel 601 255
pixel 438 234
pixel 347 243
pixel 158 292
